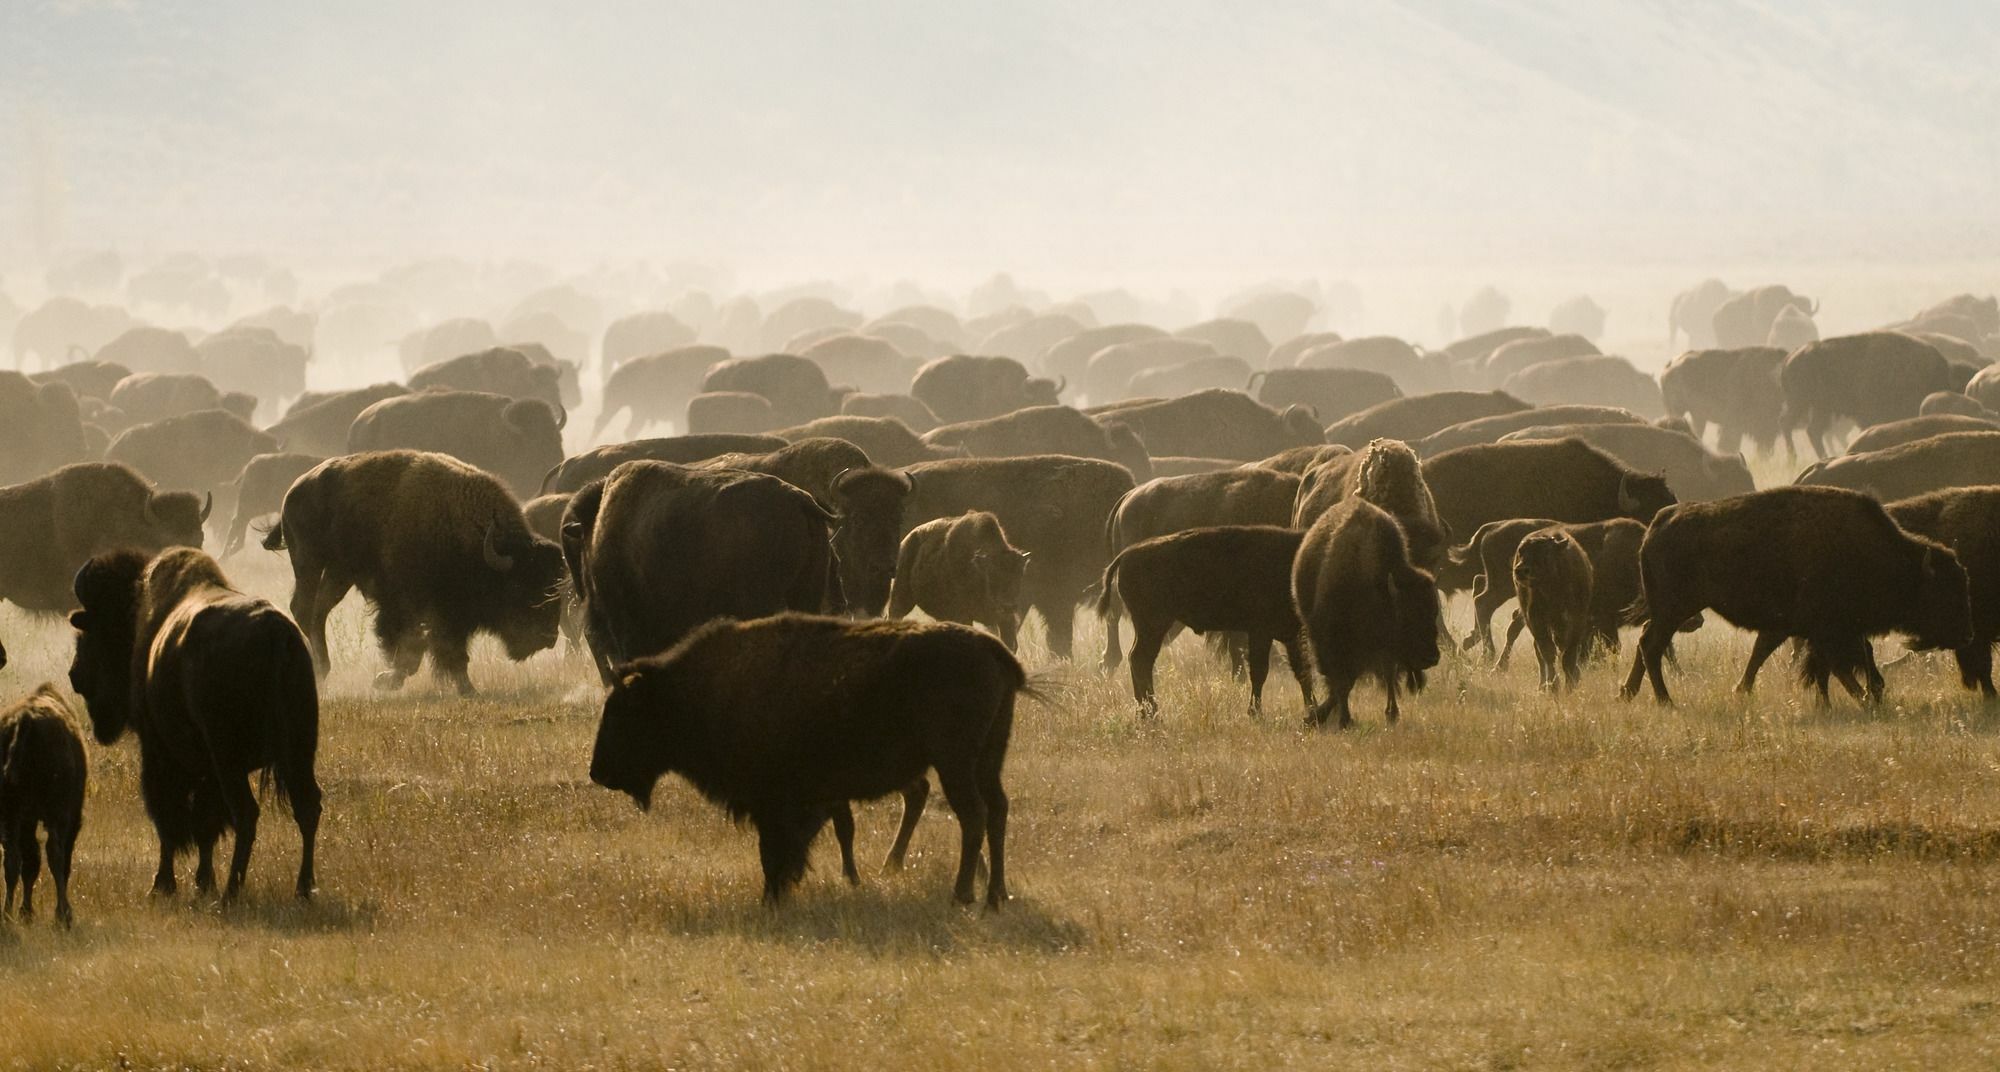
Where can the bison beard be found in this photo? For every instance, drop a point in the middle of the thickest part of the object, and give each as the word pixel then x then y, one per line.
pixel 784 720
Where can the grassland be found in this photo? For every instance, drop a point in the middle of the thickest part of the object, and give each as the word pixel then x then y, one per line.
pixel 1506 880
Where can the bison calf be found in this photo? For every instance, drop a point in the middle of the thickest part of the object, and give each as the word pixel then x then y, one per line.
pixel 1552 579
pixel 1365 608
pixel 784 720
pixel 42 774
pixel 1226 579
pixel 961 569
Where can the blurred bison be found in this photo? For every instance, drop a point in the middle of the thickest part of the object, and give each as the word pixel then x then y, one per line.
pixel 962 569
pixel 52 525
pixel 1214 424
pixel 967 388
pixel 597 463
pixel 517 440
pixel 1871 378
pixel 1413 418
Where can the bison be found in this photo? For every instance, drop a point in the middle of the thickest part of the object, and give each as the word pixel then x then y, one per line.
pixel 796 388
pixel 1411 419
pixel 1552 580
pixel 784 720
pixel 41 428
pixel 967 388
pixel 1214 424
pixel 1966 520
pixel 1386 473
pixel 1951 460
pixel 654 388
pixel 1562 479
pixel 1043 430
pixel 438 548
pixel 218 686
pixel 1911 429
pixel 597 463
pixel 961 569
pixel 498 370
pixel 1491 429
pixel 888 441
pixel 260 490
pixel 52 525
pixel 1366 609
pixel 1692 471
pixel 318 424
pixel 42 779
pixel 911 411
pixel 1745 319
pixel 1871 378
pixel 517 440
pixel 1330 393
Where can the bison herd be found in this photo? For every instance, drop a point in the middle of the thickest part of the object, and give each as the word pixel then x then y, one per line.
pixel 742 582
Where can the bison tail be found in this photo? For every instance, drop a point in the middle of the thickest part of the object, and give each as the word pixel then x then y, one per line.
pixel 1104 585
pixel 274 537
pixel 1637 612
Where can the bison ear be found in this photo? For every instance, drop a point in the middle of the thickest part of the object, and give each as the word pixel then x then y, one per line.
pixel 80 620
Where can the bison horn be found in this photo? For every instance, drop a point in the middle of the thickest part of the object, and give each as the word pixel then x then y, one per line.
pixel 1062 384
pixel 909 482
pixel 207 504
pixel 494 558
pixel 152 516
pixel 1627 502
pixel 1812 307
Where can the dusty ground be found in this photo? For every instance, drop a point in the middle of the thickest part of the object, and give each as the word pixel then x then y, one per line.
pixel 1504 880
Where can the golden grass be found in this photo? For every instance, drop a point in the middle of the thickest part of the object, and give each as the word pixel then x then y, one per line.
pixel 1507 880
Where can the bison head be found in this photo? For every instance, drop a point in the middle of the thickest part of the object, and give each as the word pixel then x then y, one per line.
pixel 1414 595
pixel 529 576
pixel 870 502
pixel 176 517
pixel 1302 428
pixel 1641 495
pixel 1944 614
pixel 1037 391
pixel 634 738
pixel 101 670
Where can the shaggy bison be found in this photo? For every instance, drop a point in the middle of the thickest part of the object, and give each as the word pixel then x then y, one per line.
pixel 217 685
pixel 1366 609
pixel 1552 579
pixel 42 776
pixel 784 720
pixel 961 569
pixel 1386 473
pixel 52 525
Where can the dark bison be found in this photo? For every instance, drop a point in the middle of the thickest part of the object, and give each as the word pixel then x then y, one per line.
pixel 260 490
pixel 1053 507
pixel 911 411
pixel 1490 429
pixel 516 439
pixel 52 525
pixel 1826 565
pixel 796 388
pixel 962 569
pixel 1214 424
pixel 1966 520
pixel 783 721
pixel 1563 479
pixel 41 428
pixel 318 424
pixel 1552 579
pixel 1226 579
pixel 1043 430
pixel 730 413
pixel 1330 393
pixel 1387 473
pixel 1413 418
pixel 500 370
pixel 1736 390
pixel 1871 378
pixel 438 549
pixel 658 549
pixel 42 776
pixel 1366 610
pixel 597 463
pixel 888 441
pixel 966 388
pixel 1613 547
pixel 217 685
pixel 654 388
pixel 1692 470
pixel 1952 460
pixel 1911 429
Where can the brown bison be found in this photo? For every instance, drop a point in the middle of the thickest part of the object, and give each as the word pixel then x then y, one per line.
pixel 1385 472
pixel 651 331
pixel 1214 424
pixel 1941 403
pixel 1299 460
pixel 784 720
pixel 260 491
pixel 967 388
pixel 52 525
pixel 255 361
pixel 1217 372
pixel 730 413
pixel 198 451
pixel 888 441
pixel 657 549
pixel 86 379
pixel 654 387
pixel 1911 429
pixel 1826 565
pixel 217 685
pixel 796 388
pixel 1386 354
pixel 1587 381
pixel 1052 506
pixel 1613 547
pixel 42 778
pixel 1411 419
pixel 438 548
pixel 1226 579
pixel 1692 471
pixel 499 370
pixel 1043 430
pixel 1871 378
pixel 318 423
pixel 911 411
pixel 1330 393
pixel 597 463
pixel 1693 312
pixel 1745 319
pixel 151 396
pixel 962 569
pixel 517 440
pixel 1513 357
pixel 1951 460
pixel 41 428
pixel 1966 520
pixel 1366 610
pixel 1552 579
pixel 1736 390
pixel 1491 429
pixel 1562 479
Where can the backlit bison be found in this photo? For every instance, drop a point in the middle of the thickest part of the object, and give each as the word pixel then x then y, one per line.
pixel 962 569
pixel 1366 609
pixel 52 525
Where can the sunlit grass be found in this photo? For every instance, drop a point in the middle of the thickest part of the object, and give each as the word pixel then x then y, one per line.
pixel 1506 879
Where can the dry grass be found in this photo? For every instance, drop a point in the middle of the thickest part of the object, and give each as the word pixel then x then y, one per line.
pixel 1505 880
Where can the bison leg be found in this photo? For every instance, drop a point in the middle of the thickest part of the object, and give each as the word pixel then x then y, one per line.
pixel 1301 670
pixel 204 868
pixel 1515 623
pixel 961 791
pixel 1542 631
pixel 1059 618
pixel 1760 650
pixel 1646 660
pixel 402 640
pixel 782 839
pixel 1113 607
pixel 842 815
pixel 449 657
pixel 914 797
pixel 164 883
pixel 29 868
pixel 1485 602
pixel 62 848
pixel 995 796
pixel 239 530
pixel 1390 711
pixel 1574 649
pixel 1259 657
pixel 314 595
pixel 1975 666
pixel 1148 635
pixel 303 792
pixel 243 812
pixel 10 840
pixel 1009 630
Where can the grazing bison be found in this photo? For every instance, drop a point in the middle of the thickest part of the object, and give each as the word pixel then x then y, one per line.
pixel 1966 520
pixel 1871 378
pixel 1365 608
pixel 41 428
pixel 1043 430
pixel 1951 460
pixel 1911 429
pixel 967 388
pixel 1826 565
pixel 52 525
pixel 1413 418
pixel 962 569
pixel 260 491
pixel 42 776
pixel 517 440
pixel 730 413
pixel 1491 429
pixel 1330 393
pixel 1745 319
pixel 438 549
pixel 655 387
pixel 1563 480
pixel 796 388
pixel 1226 579
pixel 1552 579
pixel 499 370
pixel 888 441
pixel 597 463
pixel 1053 507
pixel 318 424
pixel 1214 424
pixel 658 549
pixel 911 411
pixel 1692 470
pixel 1387 473
pixel 217 685
pixel 784 720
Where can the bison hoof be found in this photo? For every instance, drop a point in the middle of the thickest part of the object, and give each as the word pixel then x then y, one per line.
pixel 388 681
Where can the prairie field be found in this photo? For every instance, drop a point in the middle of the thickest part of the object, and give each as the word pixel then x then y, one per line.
pixel 1505 879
